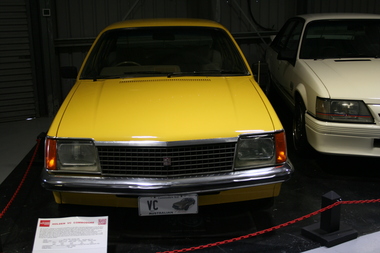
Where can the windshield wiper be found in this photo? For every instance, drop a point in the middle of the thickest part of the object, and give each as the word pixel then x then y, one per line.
pixel 189 73
pixel 207 72
pixel 147 72
pixel 233 72
pixel 349 56
pixel 126 74
pixel 215 72
pixel 104 77
pixel 150 72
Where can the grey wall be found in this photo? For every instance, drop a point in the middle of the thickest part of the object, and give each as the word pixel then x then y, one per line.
pixel 77 22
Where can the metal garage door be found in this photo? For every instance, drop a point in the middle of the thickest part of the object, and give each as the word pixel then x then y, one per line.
pixel 17 92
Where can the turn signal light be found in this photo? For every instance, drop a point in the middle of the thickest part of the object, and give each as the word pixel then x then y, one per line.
pixel 51 154
pixel 281 155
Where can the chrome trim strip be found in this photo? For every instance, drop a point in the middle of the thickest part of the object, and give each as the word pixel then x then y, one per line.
pixel 147 143
pixel 160 186
pixel 152 143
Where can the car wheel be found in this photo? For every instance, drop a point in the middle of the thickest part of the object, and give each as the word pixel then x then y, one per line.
pixel 301 145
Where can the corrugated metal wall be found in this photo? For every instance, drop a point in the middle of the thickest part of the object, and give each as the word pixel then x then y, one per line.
pixel 17 87
pixel 79 21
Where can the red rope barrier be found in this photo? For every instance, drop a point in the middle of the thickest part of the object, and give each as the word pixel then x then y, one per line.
pixel 22 180
pixel 273 228
pixel 210 244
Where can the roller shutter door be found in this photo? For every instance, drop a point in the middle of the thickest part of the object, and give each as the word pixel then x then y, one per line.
pixel 17 89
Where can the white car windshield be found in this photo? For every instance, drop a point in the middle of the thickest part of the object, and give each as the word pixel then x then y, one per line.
pixel 326 39
pixel 164 51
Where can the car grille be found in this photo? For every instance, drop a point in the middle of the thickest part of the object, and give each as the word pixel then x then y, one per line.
pixel 166 161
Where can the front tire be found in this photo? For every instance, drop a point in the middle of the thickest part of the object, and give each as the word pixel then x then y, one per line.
pixel 301 145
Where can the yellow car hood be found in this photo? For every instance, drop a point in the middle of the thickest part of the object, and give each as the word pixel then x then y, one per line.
pixel 163 109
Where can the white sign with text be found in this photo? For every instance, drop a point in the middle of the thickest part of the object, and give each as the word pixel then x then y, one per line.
pixel 72 234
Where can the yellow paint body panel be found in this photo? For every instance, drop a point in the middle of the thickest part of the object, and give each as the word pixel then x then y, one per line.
pixel 229 196
pixel 143 109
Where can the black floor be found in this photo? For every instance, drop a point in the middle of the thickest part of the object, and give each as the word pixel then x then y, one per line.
pixel 353 178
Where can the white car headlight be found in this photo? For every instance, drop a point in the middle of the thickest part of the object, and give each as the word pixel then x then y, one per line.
pixel 71 155
pixel 260 150
pixel 354 111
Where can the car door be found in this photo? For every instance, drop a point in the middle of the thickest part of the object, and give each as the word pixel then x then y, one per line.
pixel 286 45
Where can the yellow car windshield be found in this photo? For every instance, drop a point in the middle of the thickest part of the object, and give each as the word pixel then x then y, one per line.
pixel 164 51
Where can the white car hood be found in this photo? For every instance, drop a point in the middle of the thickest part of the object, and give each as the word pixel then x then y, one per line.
pixel 349 78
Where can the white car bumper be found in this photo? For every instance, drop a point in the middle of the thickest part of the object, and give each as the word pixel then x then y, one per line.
pixel 343 138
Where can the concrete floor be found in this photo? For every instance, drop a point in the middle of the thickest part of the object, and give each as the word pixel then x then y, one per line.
pixel 17 139
pixel 130 233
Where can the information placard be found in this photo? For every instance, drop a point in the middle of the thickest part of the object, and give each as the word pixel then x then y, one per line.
pixel 71 234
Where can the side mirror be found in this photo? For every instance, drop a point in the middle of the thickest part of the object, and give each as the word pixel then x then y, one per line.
pixel 69 72
pixel 287 55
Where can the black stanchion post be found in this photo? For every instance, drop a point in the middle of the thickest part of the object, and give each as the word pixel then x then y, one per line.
pixel 330 232
pixel 330 219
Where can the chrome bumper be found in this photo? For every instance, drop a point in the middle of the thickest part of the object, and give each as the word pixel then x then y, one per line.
pixel 160 186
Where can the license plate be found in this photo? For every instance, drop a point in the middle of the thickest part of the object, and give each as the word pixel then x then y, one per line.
pixel 168 205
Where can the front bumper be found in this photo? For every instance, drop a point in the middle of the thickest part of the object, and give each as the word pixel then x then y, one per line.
pixel 162 186
pixel 343 138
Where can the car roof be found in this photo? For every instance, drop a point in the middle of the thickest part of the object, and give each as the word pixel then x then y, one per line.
pixel 133 23
pixel 321 16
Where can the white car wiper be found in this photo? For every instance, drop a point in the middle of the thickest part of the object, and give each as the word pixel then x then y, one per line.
pixel 349 56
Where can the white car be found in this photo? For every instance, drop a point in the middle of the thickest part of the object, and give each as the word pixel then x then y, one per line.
pixel 327 67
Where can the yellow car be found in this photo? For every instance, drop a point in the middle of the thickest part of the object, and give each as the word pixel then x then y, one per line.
pixel 164 110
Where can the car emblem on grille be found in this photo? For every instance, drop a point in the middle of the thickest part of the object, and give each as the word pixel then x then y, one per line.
pixel 167 161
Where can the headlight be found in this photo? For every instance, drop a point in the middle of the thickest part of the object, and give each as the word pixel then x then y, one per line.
pixel 343 111
pixel 71 155
pixel 260 150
